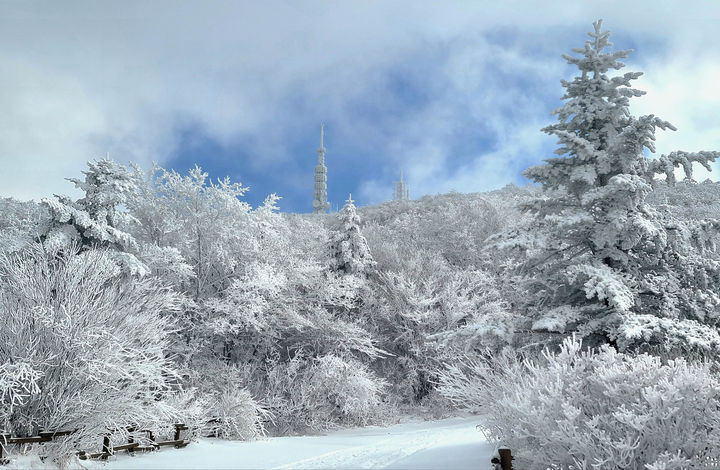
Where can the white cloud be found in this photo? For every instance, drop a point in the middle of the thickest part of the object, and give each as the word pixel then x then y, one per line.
pixel 682 88
pixel 83 78
pixel 504 113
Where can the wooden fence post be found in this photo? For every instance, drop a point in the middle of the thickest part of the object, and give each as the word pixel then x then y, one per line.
pixel 505 458
pixel 4 438
pixel 105 447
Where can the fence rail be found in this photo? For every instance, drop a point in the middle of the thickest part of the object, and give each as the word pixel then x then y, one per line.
pixel 107 448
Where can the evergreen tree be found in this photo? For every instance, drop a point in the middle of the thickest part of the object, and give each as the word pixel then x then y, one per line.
pixel 95 217
pixel 95 220
pixel 349 249
pixel 604 262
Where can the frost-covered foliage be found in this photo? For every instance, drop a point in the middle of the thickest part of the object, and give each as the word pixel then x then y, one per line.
pixel 94 221
pixel 454 225
pixel 601 261
pixel 349 252
pixel 194 234
pixel 234 414
pixel 81 345
pixel 578 409
pixel 214 403
pixel 276 323
pixel 321 393
pixel 270 310
pixel 201 220
pixel 424 310
pixel 687 200
pixel 21 223
pixel 283 310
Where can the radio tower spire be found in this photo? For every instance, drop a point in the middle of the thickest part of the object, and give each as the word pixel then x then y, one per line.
pixel 320 202
pixel 402 193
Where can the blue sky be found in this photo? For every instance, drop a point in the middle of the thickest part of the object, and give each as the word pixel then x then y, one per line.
pixel 452 93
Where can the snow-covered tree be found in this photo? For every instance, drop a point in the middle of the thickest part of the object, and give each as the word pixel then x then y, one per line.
pixel 348 248
pixel 94 221
pixel 203 219
pixel 276 321
pixel 604 262
pixel 424 310
pixel 81 345
pixel 21 223
pixel 453 225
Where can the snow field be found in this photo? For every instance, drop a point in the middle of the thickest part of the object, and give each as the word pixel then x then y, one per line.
pixel 453 443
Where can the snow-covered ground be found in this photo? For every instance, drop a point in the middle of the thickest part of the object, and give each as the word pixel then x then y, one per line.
pixel 452 443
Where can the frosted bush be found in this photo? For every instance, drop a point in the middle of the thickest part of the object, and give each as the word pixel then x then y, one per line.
pixel 321 393
pixel 81 346
pixel 218 404
pixel 429 312
pixel 351 390
pixel 594 409
pixel 234 414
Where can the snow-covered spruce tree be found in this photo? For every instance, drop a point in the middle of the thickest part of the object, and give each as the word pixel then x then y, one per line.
pixel 93 221
pixel 348 248
pixel 605 263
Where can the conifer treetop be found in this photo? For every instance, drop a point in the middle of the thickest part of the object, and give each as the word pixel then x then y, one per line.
pixel 349 249
pixel 598 137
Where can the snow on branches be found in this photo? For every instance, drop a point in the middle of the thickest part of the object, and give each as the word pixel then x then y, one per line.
pixel 95 220
pixel 575 408
pixel 349 249
pixel 81 346
pixel 599 247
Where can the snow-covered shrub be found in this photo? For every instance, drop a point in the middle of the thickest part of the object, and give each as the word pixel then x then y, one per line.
pixel 352 391
pixel 454 225
pixel 322 393
pixel 578 409
pixel 21 223
pixel 81 345
pixel 218 403
pixel 235 415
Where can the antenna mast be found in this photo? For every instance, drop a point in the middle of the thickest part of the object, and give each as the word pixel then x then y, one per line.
pixel 320 202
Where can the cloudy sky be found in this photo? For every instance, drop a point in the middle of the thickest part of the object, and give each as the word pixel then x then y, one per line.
pixel 451 92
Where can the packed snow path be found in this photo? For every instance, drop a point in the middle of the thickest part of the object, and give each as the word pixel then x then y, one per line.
pixel 446 444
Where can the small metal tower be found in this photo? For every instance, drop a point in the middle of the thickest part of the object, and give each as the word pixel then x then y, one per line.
pixel 402 193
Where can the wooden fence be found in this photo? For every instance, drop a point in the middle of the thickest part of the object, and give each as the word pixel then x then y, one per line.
pixel 107 449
